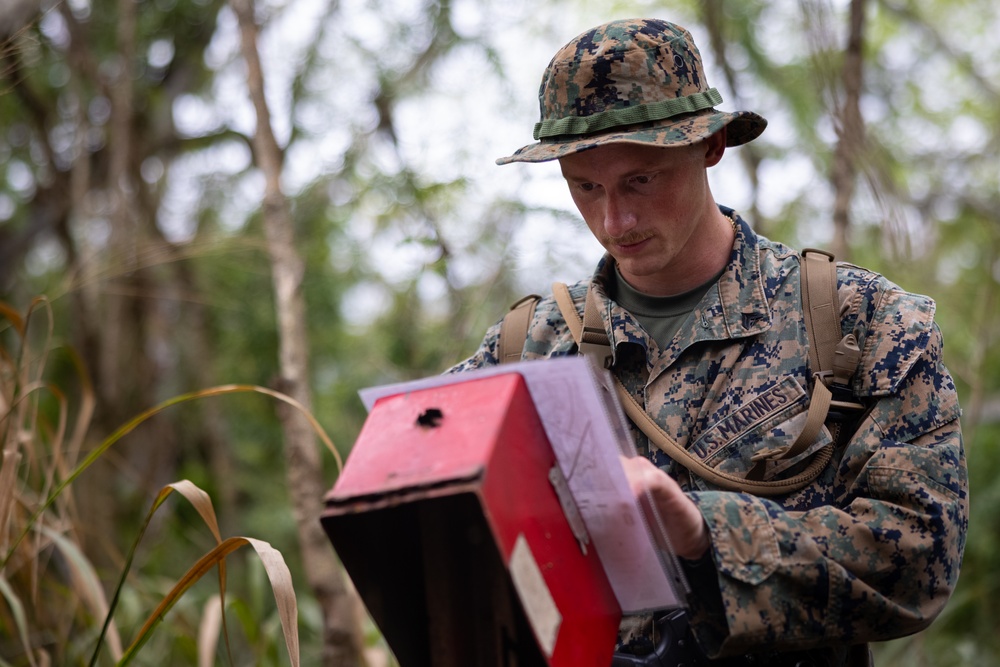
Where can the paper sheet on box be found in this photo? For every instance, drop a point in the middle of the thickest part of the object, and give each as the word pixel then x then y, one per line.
pixel 588 441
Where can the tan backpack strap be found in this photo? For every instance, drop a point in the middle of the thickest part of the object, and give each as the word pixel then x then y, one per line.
pixel 514 329
pixel 589 334
pixel 723 480
pixel 820 308
pixel 568 309
pixel 594 338
pixel 832 357
pixel 821 311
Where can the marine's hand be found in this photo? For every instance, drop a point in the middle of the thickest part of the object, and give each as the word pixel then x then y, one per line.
pixel 683 522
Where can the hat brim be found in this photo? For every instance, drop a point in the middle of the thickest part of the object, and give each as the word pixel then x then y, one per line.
pixel 742 127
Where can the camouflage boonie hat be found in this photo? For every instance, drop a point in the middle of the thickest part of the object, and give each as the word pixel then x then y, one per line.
pixel 634 81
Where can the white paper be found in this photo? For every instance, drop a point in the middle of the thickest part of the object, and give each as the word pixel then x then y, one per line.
pixel 588 439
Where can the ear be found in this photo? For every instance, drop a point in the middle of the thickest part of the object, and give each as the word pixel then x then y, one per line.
pixel 715 147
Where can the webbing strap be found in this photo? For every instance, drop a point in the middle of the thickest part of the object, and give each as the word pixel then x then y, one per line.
pixel 821 310
pixel 589 334
pixel 568 309
pixel 821 315
pixel 594 339
pixel 820 307
pixel 516 321
pixel 723 480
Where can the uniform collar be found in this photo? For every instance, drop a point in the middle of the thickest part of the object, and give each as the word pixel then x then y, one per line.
pixel 735 307
pixel 741 294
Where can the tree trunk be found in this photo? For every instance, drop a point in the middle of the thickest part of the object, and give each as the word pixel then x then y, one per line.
pixel 341 631
pixel 714 18
pixel 851 131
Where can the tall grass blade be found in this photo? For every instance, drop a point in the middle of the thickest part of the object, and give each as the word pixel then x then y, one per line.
pixel 17 609
pixel 23 374
pixel 8 487
pixel 208 630
pixel 88 402
pixel 203 504
pixel 86 583
pixel 12 316
pixel 201 501
pixel 277 572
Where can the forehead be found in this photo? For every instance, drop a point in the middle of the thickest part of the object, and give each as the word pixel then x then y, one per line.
pixel 624 158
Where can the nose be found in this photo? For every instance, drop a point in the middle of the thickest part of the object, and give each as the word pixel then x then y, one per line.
pixel 618 215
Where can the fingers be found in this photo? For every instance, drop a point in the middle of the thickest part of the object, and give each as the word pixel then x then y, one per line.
pixel 684 524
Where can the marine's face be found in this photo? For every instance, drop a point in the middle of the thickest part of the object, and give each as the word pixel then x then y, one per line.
pixel 648 207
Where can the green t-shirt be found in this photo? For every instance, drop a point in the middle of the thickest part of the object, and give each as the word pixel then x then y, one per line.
pixel 660 316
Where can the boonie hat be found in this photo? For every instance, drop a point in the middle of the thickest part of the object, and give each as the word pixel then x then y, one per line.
pixel 634 81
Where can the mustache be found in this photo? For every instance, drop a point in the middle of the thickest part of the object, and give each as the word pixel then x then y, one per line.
pixel 625 239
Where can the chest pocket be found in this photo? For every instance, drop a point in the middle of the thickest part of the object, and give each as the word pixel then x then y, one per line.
pixel 763 428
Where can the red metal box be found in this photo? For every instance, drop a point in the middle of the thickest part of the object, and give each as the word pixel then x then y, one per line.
pixel 447 522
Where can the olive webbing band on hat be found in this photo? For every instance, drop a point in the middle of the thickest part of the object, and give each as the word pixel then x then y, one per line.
pixel 643 113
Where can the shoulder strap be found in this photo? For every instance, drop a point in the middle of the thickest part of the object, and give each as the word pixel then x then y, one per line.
pixel 832 357
pixel 820 307
pixel 514 328
pixel 590 336
pixel 821 315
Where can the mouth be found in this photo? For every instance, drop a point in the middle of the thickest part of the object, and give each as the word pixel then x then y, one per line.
pixel 628 244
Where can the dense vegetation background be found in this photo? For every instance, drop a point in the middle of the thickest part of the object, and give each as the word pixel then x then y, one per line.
pixel 173 202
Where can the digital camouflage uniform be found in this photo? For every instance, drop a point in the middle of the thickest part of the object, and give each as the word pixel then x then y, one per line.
pixel 871 549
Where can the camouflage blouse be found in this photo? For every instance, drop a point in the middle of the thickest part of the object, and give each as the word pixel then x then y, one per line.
pixel 871 549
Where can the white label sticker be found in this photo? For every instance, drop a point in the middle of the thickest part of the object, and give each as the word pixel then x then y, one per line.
pixel 535 596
